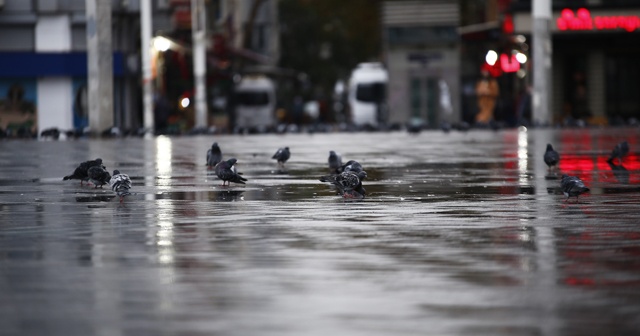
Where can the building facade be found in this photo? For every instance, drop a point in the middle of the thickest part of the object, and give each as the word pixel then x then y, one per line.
pixel 43 62
pixel 43 57
pixel 421 51
pixel 596 48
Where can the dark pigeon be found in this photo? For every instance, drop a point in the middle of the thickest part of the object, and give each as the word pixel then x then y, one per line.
pixel 282 155
pixel 120 184
pixel 551 157
pixel 572 186
pixel 352 166
pixel 335 161
pixel 619 151
pixel 349 183
pixel 99 176
pixel 226 171
pixel 214 155
pixel 82 171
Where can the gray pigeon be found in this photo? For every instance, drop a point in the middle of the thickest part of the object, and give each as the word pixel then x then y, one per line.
pixel 572 186
pixel 82 171
pixel 335 161
pixel 349 183
pixel 214 155
pixel 619 151
pixel 226 171
pixel 282 155
pixel 120 184
pixel 99 176
pixel 551 157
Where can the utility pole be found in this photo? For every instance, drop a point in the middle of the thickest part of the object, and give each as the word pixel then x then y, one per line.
pixel 99 65
pixel 199 34
pixel 542 113
pixel 147 84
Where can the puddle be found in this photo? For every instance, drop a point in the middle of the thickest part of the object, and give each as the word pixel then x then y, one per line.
pixel 460 234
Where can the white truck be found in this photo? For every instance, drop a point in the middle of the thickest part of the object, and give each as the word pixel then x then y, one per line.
pixel 255 103
pixel 367 94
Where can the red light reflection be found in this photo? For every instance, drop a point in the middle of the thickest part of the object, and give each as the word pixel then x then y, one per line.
pixel 579 158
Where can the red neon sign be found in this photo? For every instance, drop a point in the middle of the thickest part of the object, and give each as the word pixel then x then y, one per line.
pixel 509 64
pixel 582 20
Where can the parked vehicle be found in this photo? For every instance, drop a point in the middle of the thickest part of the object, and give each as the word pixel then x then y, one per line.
pixel 367 94
pixel 255 103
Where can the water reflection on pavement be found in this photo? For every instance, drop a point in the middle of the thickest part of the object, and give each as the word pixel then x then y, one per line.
pixel 460 234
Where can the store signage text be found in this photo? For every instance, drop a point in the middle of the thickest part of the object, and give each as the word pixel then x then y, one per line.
pixel 582 20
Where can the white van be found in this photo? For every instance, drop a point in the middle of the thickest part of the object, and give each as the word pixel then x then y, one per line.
pixel 367 94
pixel 255 103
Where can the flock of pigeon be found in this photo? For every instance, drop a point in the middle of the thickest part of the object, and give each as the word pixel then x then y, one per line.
pixel 573 185
pixel 347 177
pixel 95 172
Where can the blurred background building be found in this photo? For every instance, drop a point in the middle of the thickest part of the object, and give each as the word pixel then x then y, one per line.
pixel 434 51
pixel 422 54
pixel 596 45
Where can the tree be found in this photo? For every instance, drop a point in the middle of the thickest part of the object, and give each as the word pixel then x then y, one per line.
pixel 327 39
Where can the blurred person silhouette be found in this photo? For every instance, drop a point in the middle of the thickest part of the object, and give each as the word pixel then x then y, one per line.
pixel 161 111
pixel 487 92
pixel 579 100
pixel 523 110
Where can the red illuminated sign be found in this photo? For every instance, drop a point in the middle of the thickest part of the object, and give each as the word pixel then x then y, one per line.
pixel 582 20
pixel 509 64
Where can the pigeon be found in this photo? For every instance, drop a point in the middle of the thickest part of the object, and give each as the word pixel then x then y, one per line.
pixel 226 171
pixel 81 172
pixel 120 184
pixel 352 166
pixel 619 151
pixel 551 157
pixel 214 155
pixel 99 176
pixel 572 186
pixel 335 161
pixel 282 155
pixel 349 183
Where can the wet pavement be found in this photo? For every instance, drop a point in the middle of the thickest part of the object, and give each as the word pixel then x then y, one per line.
pixel 460 234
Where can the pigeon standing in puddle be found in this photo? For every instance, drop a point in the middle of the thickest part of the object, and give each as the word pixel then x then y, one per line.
pixel 120 184
pixel 226 171
pixel 551 157
pixel 619 151
pixel 572 186
pixel 82 171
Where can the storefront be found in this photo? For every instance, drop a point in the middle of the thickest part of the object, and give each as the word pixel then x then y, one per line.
pixel 596 54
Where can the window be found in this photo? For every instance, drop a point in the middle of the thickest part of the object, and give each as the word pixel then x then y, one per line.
pixel 371 92
pixel 252 98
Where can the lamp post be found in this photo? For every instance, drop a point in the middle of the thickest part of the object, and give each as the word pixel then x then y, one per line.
pixel 99 64
pixel 198 34
pixel 542 62
pixel 147 84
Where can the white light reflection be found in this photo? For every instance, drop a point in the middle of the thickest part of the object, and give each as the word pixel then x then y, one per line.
pixel 523 153
pixel 164 236
pixel 163 161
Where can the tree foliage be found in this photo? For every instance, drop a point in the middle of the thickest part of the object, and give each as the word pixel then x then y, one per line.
pixel 325 39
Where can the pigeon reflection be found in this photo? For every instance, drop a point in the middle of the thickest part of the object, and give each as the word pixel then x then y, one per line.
pixel 227 195
pixel 94 198
pixel 620 172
